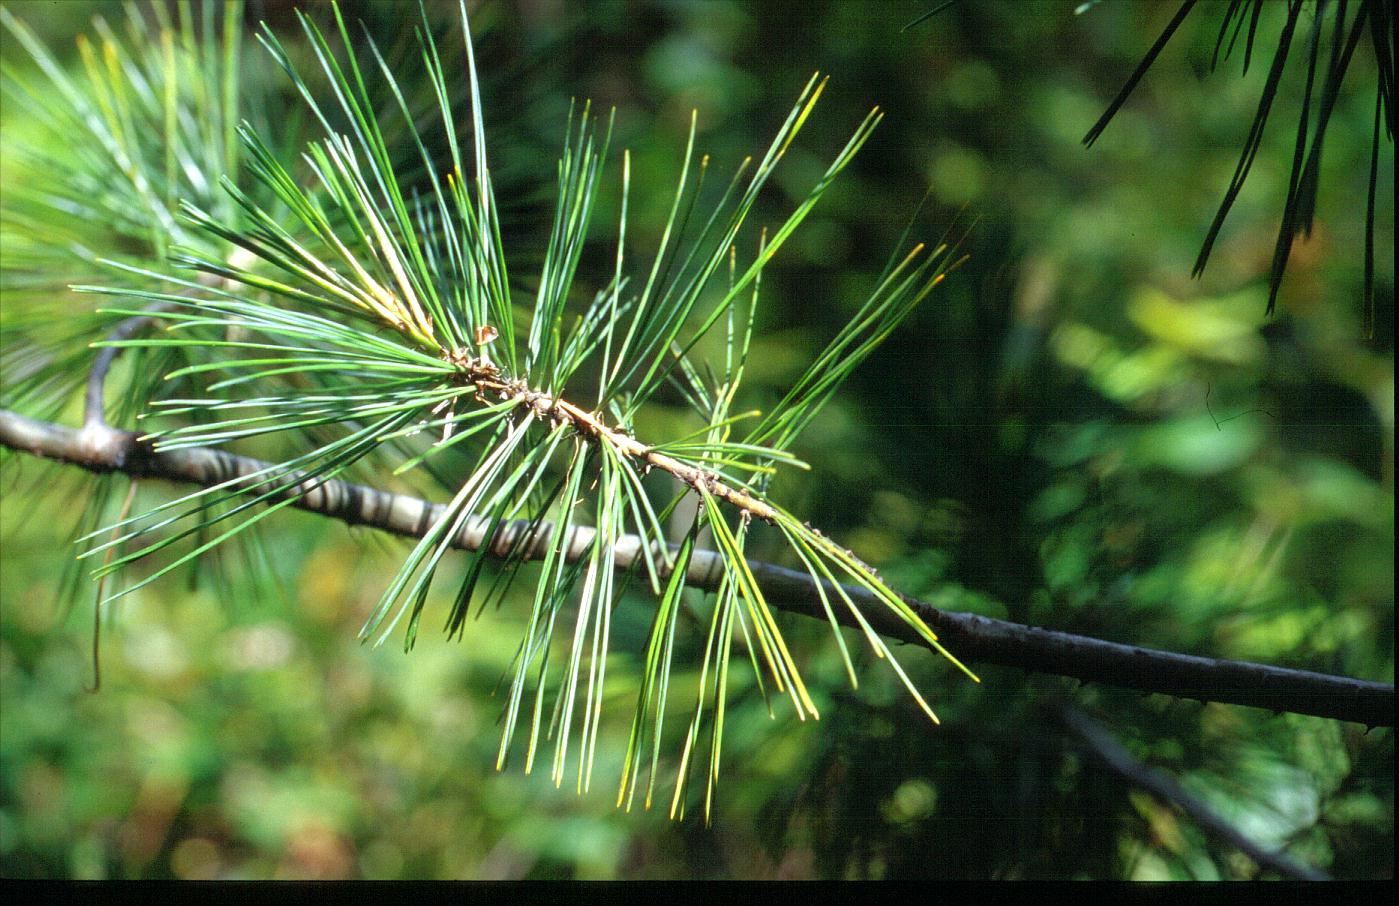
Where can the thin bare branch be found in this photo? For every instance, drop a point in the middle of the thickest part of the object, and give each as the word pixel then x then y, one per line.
pixel 972 637
pixel 1101 745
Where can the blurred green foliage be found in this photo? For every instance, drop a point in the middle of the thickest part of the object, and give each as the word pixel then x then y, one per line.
pixel 1071 433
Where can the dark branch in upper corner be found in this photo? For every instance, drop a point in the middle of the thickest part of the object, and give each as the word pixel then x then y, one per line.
pixel 1299 206
pixel 100 448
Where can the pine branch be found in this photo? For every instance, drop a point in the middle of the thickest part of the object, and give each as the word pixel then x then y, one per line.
pixel 360 295
pixel 486 378
pixel 103 449
pixel 365 297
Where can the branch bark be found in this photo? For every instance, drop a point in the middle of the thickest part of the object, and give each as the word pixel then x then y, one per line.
pixel 100 448
pixel 486 378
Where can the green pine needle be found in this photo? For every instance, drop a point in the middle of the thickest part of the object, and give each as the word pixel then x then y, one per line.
pixel 333 293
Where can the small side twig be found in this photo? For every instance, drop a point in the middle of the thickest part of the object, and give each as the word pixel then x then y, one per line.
pixel 97 431
pixel 102 443
pixel 94 406
pixel 101 590
pixel 1099 743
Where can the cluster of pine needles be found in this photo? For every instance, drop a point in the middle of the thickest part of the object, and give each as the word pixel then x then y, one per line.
pixel 351 295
